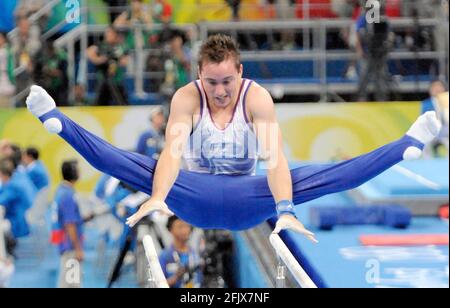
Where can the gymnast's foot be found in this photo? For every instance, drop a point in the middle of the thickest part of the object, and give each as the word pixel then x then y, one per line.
pixel 424 130
pixel 146 209
pixel 39 102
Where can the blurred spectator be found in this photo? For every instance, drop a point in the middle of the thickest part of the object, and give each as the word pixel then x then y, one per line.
pixel 35 169
pixel 20 174
pixel 180 263
pixel 151 142
pixel 26 8
pixel 7 88
pixel 418 38
pixel 180 68
pixel 115 5
pixel 426 9
pixel 437 87
pixel 349 35
pixel 111 59
pixel 279 9
pixel 435 103
pixel 6 272
pixel 343 8
pixel 288 41
pixel 51 71
pixel 80 97
pixel 13 153
pixel 25 45
pixel 5 148
pixel 137 15
pixel 13 198
pixel 374 42
pixel 162 11
pixel 235 6
pixel 67 228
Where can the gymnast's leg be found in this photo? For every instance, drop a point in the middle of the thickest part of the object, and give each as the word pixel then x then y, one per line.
pixel 314 181
pixel 132 168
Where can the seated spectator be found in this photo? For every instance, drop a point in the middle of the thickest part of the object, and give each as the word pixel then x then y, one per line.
pixel 35 169
pixel 111 59
pixel 7 87
pixel 151 142
pixel 180 263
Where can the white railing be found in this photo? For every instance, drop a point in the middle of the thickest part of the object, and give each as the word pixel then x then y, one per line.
pixel 3 225
pixel 156 274
pixel 83 32
pixel 288 259
pixel 46 9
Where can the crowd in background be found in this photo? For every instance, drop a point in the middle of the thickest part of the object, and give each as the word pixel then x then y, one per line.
pixel 27 58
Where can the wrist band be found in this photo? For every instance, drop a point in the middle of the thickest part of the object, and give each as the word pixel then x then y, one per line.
pixel 285 207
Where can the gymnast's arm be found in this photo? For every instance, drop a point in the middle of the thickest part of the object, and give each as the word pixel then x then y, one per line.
pixel 262 112
pixel 179 127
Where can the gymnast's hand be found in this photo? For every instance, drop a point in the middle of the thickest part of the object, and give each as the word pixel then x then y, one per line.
pixel 147 208
pixel 288 221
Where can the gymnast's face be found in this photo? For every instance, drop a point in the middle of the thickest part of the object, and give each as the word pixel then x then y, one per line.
pixel 221 82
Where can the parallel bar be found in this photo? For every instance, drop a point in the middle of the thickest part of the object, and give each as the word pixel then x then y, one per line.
pixel 296 270
pixel 153 262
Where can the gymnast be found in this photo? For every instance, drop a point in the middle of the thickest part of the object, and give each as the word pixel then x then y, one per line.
pixel 218 126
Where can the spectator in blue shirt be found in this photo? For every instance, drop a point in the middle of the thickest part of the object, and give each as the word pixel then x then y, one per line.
pixel 13 198
pixel 35 169
pixel 151 142
pixel 21 176
pixel 67 229
pixel 180 263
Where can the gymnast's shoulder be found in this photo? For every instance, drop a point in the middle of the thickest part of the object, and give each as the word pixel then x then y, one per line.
pixel 258 96
pixel 186 98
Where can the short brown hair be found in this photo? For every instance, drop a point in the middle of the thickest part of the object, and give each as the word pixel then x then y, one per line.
pixel 218 48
